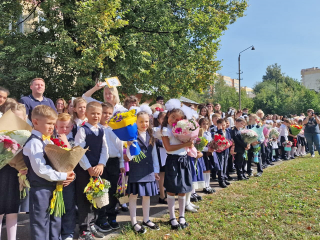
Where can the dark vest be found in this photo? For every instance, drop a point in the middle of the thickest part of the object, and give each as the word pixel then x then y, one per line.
pixel 95 145
pixel 74 130
pixel 142 171
pixel 34 179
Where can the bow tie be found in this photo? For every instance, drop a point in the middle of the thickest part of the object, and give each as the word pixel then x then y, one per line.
pixel 44 137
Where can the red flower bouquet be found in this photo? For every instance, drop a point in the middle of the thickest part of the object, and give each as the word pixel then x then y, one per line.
pixel 219 143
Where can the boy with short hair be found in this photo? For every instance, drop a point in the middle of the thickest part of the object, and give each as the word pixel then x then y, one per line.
pixel 115 164
pixel 42 177
pixel 240 146
pixel 68 221
pixel 213 127
pixel 92 164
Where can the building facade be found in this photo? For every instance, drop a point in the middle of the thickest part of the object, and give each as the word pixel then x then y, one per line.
pixel 310 78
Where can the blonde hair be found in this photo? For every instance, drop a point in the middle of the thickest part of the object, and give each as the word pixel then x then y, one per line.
pixel 35 79
pixel 215 115
pixel 149 130
pixel 93 105
pixel 260 112
pixel 255 116
pixel 64 117
pixel 44 111
pixel 114 92
pixel 15 107
pixel 75 102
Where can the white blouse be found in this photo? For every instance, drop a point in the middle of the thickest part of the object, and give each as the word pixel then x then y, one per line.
pixel 167 132
pixel 116 108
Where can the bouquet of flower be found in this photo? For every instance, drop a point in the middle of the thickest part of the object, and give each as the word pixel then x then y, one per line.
pixel 287 145
pixel 121 193
pixel 256 150
pixel 8 148
pixel 97 192
pixel 274 134
pixel 249 136
pixel 259 130
pixel 62 159
pixel 200 143
pixel 295 129
pixel 125 127
pixel 185 131
pixel 219 143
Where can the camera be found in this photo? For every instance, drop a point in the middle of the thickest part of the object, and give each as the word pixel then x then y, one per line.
pixel 316 113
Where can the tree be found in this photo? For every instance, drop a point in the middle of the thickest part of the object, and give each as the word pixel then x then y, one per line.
pixel 166 47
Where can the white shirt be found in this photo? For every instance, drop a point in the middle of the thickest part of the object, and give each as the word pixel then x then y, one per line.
pixel 116 108
pixel 155 159
pixel 167 132
pixel 283 130
pixel 79 122
pixel 115 146
pixel 80 140
pixel 34 150
pixel 231 122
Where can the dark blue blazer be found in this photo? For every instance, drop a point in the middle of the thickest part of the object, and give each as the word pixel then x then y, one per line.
pixel 240 145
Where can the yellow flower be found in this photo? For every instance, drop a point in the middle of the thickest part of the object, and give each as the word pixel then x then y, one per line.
pixel 89 197
pixel 96 190
pixel 101 186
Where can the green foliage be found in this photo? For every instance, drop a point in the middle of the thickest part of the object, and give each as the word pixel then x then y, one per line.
pixel 166 47
pixel 283 95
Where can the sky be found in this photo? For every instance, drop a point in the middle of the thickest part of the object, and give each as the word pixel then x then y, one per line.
pixel 282 31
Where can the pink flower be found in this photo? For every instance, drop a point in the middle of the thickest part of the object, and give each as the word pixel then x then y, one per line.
pixel 178 130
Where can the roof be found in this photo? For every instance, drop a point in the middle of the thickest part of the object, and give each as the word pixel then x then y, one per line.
pixel 184 99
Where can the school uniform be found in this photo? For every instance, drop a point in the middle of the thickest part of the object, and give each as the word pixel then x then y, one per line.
pixel 111 173
pixel 178 178
pixel 197 168
pixel 209 162
pixel 251 156
pixel 214 171
pixel 77 124
pixel 90 137
pixel 240 147
pixel 43 180
pixel 223 157
pixel 283 136
pixel 141 180
pixel 68 220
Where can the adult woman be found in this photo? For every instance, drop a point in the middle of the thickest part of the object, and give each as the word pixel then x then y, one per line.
pixel 110 95
pixel 61 105
pixel 312 131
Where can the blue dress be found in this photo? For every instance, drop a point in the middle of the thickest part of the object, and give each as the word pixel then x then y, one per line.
pixel 197 169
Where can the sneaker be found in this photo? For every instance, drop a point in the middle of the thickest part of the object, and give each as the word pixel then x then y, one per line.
pixel 313 155
pixel 95 233
pixel 197 196
pixel 259 174
pixel 86 236
pixel 193 198
pixel 113 224
pixel 103 227
pixel 211 190
pixel 189 208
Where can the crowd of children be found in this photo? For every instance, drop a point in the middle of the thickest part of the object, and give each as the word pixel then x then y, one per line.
pixel 166 171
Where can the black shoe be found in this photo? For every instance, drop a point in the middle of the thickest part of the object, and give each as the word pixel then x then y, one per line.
pixel 154 227
pixel 241 178
pixel 103 227
pixel 250 175
pixel 142 230
pixel 230 178
pixel 197 196
pixel 86 236
pixel 114 225
pixel 222 184
pixel 193 198
pixel 292 157
pixel 124 209
pixel 245 177
pixel 162 200
pixel 227 182
pixel 259 174
pixel 271 164
pixel 183 226
pixel 211 190
pixel 174 227
pixel 95 233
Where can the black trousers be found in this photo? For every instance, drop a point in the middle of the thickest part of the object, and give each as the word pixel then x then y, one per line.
pixel 223 161
pixel 283 152
pixel 86 212
pixel 238 162
pixel 110 173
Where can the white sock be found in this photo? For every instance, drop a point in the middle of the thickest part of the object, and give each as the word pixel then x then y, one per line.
pixel 133 211
pixel 146 209
pixel 1 218
pixel 171 202
pixel 193 190
pixel 182 205
pixel 11 224
pixel 188 196
pixel 207 179
pixel 303 150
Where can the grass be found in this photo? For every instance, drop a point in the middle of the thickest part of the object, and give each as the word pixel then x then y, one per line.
pixel 282 204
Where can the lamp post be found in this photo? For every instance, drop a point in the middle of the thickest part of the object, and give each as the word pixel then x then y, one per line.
pixel 252 48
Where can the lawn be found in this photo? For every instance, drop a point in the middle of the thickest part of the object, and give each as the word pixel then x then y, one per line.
pixel 282 204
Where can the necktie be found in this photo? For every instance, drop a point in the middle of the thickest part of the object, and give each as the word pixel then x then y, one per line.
pixel 44 137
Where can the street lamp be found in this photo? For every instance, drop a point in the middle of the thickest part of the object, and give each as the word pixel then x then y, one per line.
pixel 252 48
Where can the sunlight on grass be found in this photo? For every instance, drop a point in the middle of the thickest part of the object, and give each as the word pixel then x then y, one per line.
pixel 282 204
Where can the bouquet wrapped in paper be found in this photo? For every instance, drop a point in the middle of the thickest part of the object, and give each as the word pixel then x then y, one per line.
pixel 97 192
pixel 200 143
pixel 185 131
pixel 249 136
pixel 259 130
pixel 287 145
pixel 62 159
pixel 274 134
pixel 256 151
pixel 15 132
pixel 219 143
pixel 295 129
pixel 125 127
